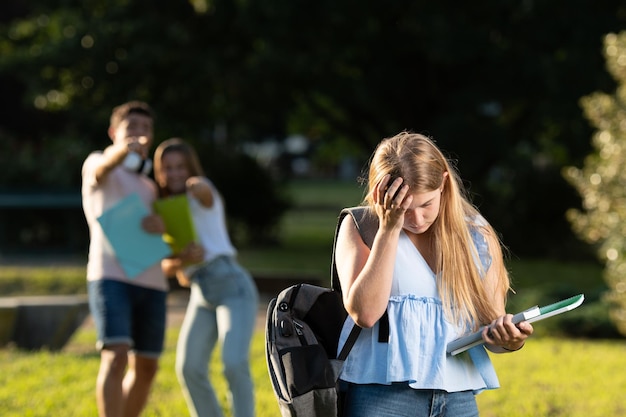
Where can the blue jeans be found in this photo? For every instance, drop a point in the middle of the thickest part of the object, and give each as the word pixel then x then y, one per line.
pixel 128 314
pixel 400 400
pixel 222 306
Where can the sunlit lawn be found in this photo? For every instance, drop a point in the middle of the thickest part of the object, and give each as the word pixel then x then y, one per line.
pixel 549 377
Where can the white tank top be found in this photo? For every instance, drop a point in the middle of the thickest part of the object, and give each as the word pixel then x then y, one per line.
pixel 210 224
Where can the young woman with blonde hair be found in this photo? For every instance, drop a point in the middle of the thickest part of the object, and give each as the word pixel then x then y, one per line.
pixel 435 271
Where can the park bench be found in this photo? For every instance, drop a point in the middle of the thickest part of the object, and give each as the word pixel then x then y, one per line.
pixel 38 322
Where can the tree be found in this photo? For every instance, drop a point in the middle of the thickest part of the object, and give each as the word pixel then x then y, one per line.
pixel 601 181
pixel 496 83
pixel 66 64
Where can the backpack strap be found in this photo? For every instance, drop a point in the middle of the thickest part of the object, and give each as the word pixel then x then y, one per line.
pixel 350 341
pixel 366 223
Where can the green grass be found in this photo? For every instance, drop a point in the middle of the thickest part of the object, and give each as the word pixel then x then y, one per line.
pixel 333 195
pixel 43 384
pixel 41 280
pixel 307 231
pixel 559 377
pixel 549 377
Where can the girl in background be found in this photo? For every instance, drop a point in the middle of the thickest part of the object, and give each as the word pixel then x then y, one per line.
pixel 224 299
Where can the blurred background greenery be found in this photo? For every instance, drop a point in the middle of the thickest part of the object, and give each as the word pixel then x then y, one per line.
pixel 239 78
pixel 287 100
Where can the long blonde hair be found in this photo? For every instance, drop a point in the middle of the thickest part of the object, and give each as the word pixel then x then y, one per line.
pixel 422 166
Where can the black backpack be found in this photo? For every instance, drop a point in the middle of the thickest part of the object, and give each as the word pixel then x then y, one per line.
pixel 303 325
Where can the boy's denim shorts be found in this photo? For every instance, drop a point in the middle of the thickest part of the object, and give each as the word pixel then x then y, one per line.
pixel 128 314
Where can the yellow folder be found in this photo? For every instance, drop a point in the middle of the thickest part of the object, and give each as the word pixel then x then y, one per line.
pixel 176 214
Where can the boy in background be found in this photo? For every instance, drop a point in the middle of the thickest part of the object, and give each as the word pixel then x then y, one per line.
pixel 129 314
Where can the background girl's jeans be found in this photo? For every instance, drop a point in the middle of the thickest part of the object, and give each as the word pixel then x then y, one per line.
pixel 400 400
pixel 222 306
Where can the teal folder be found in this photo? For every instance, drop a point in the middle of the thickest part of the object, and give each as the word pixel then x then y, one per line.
pixel 179 225
pixel 135 249
pixel 531 315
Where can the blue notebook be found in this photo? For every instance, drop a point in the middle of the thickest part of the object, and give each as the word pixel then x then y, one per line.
pixel 135 249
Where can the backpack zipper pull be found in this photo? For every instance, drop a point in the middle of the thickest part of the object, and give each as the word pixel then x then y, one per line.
pixel 298 328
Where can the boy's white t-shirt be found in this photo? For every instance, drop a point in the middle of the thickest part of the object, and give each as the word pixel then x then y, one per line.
pixel 97 198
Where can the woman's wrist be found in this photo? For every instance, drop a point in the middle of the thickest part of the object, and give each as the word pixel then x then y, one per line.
pixel 514 350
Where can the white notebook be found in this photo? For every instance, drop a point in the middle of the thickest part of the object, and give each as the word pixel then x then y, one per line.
pixel 532 314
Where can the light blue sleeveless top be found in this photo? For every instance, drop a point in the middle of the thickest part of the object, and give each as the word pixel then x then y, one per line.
pixel 418 334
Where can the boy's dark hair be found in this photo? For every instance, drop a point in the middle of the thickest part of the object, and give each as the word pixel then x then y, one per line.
pixel 122 111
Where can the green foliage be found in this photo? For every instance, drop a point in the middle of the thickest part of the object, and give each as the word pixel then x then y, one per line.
pixel 602 180
pixel 254 201
pixel 542 282
pixel 42 280
pixel 27 165
pixel 497 95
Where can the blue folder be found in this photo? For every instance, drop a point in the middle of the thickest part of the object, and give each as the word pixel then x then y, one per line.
pixel 135 249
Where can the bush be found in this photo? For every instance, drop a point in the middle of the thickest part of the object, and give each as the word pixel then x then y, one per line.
pixel 255 202
pixel 590 320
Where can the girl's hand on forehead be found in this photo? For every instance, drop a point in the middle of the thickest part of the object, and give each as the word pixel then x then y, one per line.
pixel 391 193
pixel 392 199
